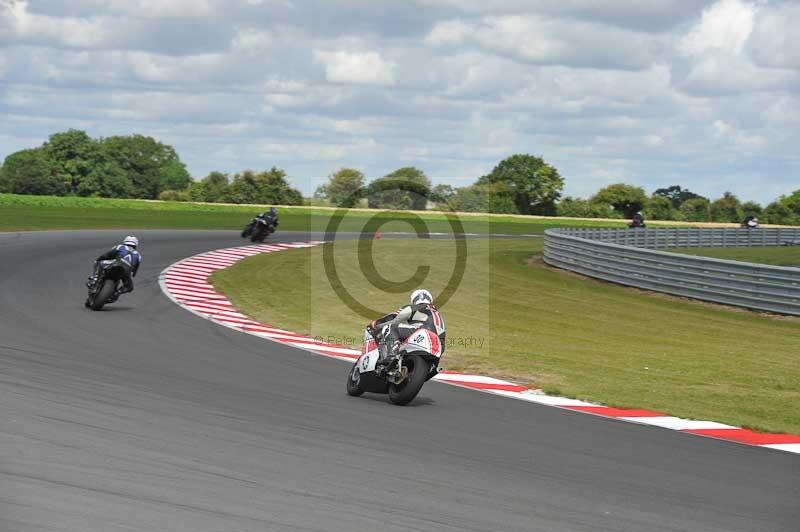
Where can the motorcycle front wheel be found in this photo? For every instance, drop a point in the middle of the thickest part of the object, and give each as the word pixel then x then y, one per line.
pixel 354 385
pixel 406 391
pixel 102 295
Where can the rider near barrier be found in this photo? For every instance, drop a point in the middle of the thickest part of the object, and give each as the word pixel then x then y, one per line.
pixel 392 328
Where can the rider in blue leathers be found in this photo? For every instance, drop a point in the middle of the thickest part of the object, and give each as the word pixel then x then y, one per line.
pixel 129 258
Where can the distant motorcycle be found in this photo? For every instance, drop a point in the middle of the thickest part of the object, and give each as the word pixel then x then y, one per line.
pixel 103 289
pixel 400 374
pixel 258 230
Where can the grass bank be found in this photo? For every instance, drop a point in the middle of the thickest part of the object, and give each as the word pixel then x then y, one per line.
pixel 28 213
pixel 514 317
pixel 777 256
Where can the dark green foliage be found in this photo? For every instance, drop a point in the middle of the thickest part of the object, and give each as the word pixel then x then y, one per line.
pixel 696 210
pixel 212 188
pixel 268 187
pixel 660 208
pixel 581 208
pixel 726 209
pixel 472 198
pixel 534 185
pixel 72 163
pixel 676 195
pixel 778 213
pixel 342 186
pixel 150 165
pixel 752 208
pixel 31 172
pixel 623 198
pixel 404 189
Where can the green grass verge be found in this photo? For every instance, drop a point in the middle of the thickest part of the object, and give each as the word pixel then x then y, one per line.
pixel 27 213
pixel 778 256
pixel 566 334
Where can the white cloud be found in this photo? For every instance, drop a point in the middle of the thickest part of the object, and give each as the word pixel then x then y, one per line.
pixel 546 40
pixel 775 40
pixel 694 92
pixel 356 67
pixel 724 27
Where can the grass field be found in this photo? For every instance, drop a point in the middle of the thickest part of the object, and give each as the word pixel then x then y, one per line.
pixel 27 213
pixel 514 317
pixel 778 256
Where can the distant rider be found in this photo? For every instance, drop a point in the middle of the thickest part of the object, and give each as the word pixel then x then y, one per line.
pixel 750 222
pixel 129 258
pixel 638 220
pixel 420 314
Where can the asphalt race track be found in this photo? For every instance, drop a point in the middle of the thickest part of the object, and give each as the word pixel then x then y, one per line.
pixel 146 417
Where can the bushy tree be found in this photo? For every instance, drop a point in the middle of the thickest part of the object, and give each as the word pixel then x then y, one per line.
pixel 150 165
pixel 726 209
pixel 501 198
pixel 778 213
pixel 31 172
pixel 792 201
pixel 212 188
pixel 676 195
pixel 752 208
pixel 696 210
pixel 268 187
pixel 75 156
pixel 106 180
pixel 660 208
pixel 536 186
pixel 471 198
pixel 443 194
pixel 403 189
pixel 342 184
pixel 623 198
pixel 581 208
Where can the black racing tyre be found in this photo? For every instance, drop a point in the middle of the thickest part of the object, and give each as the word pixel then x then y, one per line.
pixel 406 391
pixel 105 292
pixel 354 383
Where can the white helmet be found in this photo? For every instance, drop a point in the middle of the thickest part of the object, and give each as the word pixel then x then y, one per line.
pixel 131 241
pixel 421 296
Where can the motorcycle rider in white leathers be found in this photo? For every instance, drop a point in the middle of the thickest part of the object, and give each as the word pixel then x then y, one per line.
pixel 397 326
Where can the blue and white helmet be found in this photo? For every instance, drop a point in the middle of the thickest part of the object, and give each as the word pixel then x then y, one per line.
pixel 421 296
pixel 131 241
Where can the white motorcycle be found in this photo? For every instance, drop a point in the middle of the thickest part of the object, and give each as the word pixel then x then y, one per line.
pixel 400 374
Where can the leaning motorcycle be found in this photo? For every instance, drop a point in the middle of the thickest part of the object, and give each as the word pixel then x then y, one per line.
pixel 258 230
pixel 400 374
pixel 261 230
pixel 103 289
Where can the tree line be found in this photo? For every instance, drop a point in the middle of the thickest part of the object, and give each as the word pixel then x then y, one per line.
pixel 137 166
pixel 525 184
pixel 71 163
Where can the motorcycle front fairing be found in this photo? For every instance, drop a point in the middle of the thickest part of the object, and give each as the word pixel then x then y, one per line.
pixel 370 354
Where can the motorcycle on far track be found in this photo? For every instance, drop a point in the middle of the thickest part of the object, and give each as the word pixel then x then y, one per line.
pixel 258 230
pixel 103 290
pixel 400 375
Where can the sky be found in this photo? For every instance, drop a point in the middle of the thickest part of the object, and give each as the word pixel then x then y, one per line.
pixel 650 92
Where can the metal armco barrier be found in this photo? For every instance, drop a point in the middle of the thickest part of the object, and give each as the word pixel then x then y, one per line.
pixel 630 257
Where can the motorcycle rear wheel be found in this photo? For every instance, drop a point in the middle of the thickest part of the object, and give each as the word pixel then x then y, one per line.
pixel 102 295
pixel 354 384
pixel 406 391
